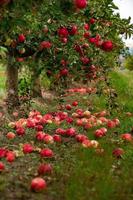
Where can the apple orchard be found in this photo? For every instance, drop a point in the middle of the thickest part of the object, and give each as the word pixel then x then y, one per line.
pixel 68 43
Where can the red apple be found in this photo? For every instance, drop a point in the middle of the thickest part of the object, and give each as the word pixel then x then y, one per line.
pixel 45 169
pixel 48 153
pixel 85 60
pixel 86 143
pixel 60 131
pixel 3 152
pixel 57 138
pixel 118 152
pixel 73 30
pixel 81 137
pixel 2 166
pixel 45 45
pixel 64 40
pixel 20 131
pixel 39 127
pixel 111 124
pixel 64 72
pixel 99 133
pixel 74 103
pixel 48 139
pixel 107 45
pixel 38 184
pixel 71 132
pixel 40 136
pixel 63 32
pixel 87 35
pixel 86 27
pixel 69 120
pixel 21 38
pixel 10 135
pixel 92 21
pixel 127 137
pixel 10 156
pixel 68 107
pixel 28 148
pixel 81 4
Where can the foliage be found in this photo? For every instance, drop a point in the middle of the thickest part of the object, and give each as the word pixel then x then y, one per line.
pixel 129 62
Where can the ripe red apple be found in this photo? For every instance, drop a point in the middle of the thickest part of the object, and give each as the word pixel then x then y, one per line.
pixel 87 35
pixel 60 131
pixel 38 184
pixel 86 143
pixel 20 131
pixel 107 45
pixel 92 40
pixel 10 135
pixel 111 124
pixel 48 139
pixel 64 40
pixel 2 166
pixel 63 32
pixel 104 130
pixel 45 45
pixel 64 72
pixel 68 107
pixel 80 138
pixel 81 4
pixel 118 152
pixel 99 133
pixel 86 26
pixel 39 127
pixel 10 156
pixel 85 60
pixel 92 21
pixel 74 103
pixel 127 137
pixel 3 152
pixel 71 132
pixel 116 121
pixel 57 138
pixel 69 120
pixel 79 122
pixel 73 30
pixel 48 153
pixel 45 169
pixel 40 136
pixel 88 126
pixel 21 38
pixel 28 148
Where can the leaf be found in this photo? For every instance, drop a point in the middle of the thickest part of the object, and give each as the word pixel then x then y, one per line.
pixel 3 52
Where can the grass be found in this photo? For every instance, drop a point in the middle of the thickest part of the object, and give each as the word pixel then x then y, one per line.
pixel 2 81
pixel 79 173
pixel 122 81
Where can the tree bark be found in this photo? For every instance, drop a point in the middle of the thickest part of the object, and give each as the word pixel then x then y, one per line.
pixel 36 85
pixel 12 85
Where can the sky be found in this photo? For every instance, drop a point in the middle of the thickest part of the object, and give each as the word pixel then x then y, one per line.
pixel 126 10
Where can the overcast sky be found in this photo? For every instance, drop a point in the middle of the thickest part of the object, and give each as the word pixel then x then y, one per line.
pixel 126 10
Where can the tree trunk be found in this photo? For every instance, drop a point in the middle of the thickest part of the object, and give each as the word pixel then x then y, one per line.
pixel 12 85
pixel 36 85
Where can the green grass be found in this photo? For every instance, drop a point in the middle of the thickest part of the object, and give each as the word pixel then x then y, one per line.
pixel 2 81
pixel 122 81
